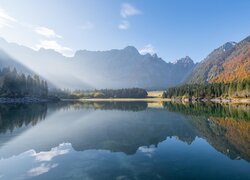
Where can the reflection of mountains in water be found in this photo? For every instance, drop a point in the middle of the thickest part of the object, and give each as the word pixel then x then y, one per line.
pixel 226 128
pixel 92 128
pixel 109 105
pixel 129 131
pixel 19 115
pixel 125 131
pixel 229 136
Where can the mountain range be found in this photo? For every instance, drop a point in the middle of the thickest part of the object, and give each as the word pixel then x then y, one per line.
pixel 228 63
pixel 126 68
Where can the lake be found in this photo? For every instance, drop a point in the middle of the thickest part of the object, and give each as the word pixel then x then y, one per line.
pixel 124 140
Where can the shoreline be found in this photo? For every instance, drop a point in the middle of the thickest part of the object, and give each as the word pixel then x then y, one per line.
pixel 214 100
pixel 120 99
pixel 27 100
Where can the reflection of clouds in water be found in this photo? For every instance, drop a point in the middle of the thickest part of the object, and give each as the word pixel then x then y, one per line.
pixel 34 163
pixel 43 168
pixel 63 148
pixel 148 151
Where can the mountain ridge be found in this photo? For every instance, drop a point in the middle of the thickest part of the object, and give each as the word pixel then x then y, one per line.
pixel 127 68
pixel 116 68
pixel 229 62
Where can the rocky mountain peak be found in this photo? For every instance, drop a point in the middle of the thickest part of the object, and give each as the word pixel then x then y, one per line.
pixel 228 46
pixel 131 50
pixel 184 60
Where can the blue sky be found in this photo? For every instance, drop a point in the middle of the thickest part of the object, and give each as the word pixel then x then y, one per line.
pixel 171 28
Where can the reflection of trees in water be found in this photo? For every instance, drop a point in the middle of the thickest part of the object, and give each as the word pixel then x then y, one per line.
pixel 124 106
pixel 225 127
pixel 117 131
pixel 238 134
pixel 235 111
pixel 229 136
pixel 17 115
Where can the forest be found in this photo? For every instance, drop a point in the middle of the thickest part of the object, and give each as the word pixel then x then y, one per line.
pixel 234 89
pixel 103 93
pixel 14 84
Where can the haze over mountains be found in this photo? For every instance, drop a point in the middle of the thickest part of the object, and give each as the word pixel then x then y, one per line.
pixel 7 61
pixel 123 68
pixel 127 68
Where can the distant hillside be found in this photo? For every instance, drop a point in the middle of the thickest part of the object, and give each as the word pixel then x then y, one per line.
pixel 237 65
pixel 124 68
pixel 211 66
pixel 7 61
pixel 230 62
pixel 128 68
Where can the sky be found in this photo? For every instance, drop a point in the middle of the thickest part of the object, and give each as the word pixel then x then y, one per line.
pixel 171 28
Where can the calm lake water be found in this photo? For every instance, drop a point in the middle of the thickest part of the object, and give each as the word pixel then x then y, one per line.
pixel 120 141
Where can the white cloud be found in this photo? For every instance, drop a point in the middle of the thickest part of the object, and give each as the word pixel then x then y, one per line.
pixel 148 151
pixel 88 25
pixel 49 155
pixel 5 19
pixel 46 32
pixel 124 25
pixel 31 34
pixel 147 49
pixel 62 149
pixel 41 169
pixel 36 163
pixel 51 44
pixel 129 10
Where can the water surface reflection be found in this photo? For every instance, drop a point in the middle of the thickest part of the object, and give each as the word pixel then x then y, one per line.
pixel 132 140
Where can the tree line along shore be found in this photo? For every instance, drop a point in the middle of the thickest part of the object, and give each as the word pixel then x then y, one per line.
pixel 21 88
pixel 225 92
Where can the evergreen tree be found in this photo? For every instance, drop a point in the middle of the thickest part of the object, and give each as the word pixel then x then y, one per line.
pixel 18 85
